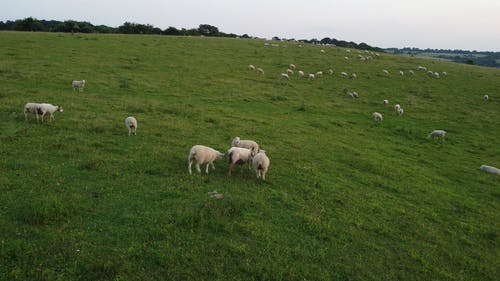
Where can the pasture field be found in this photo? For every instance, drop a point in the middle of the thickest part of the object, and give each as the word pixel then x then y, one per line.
pixel 346 198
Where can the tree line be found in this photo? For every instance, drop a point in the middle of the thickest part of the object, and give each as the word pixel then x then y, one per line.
pixel 71 26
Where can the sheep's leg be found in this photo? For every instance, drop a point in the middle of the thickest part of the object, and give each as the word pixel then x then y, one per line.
pixel 129 131
pixel 206 169
pixel 189 166
pixel 257 173
pixel 198 168
pixel 264 175
pixel 213 166
pixel 230 168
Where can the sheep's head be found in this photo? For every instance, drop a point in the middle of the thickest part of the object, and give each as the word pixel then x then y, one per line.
pixel 220 155
pixel 236 140
pixel 60 109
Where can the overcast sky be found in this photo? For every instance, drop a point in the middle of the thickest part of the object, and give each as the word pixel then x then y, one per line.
pixel 441 24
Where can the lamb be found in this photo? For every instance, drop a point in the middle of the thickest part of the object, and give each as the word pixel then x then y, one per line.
pixel 422 68
pixel 203 155
pixel 445 73
pixel 346 59
pixel 48 109
pixel 131 124
pixel 319 74
pixel 486 97
pixel 311 76
pixel 490 169
pixel 78 84
pixel 300 73
pixel 436 74
pixel 289 72
pixel 377 116
pixel 437 134
pixel 322 51
pixel 260 71
pixel 411 72
pixel 285 76
pixel 292 66
pixel 400 111
pixel 401 73
pixel 330 71
pixel 240 156
pixel 386 102
pixel 397 107
pixel 260 163
pixel 251 67
pixel 250 144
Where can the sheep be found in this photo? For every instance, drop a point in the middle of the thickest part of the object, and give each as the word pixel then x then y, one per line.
pixel 240 156
pixel 289 72
pixel 285 76
pixel 436 74
pixel 343 74
pixel 260 71
pixel 131 124
pixel 377 116
pixel 251 67
pixel 260 163
pixel 330 71
pixel 322 51
pixel 445 73
pixel 397 107
pixel 354 76
pixel 422 68
pixel 346 59
pixel 385 72
pixel 47 109
pixel 486 97
pixel 250 144
pixel 319 74
pixel 430 73
pixel 203 155
pixel 400 111
pixel 385 102
pixel 355 95
pixel 411 72
pixel 437 134
pixel 32 108
pixel 300 73
pixel 292 66
pixel 78 84
pixel 490 169
pixel 401 73
pixel 311 76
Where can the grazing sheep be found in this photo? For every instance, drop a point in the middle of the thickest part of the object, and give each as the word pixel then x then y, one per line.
pixel 251 67
pixel 300 73
pixel 436 74
pixel 250 144
pixel 430 73
pixel 319 74
pixel 397 107
pixel 486 97
pixel 289 72
pixel 203 155
pixel 260 71
pixel 346 59
pixel 311 76
pixel 411 72
pixel 285 76
pixel 322 51
pixel 240 156
pixel 355 95
pixel 401 73
pixel 377 116
pixel 78 84
pixel 292 66
pixel 343 74
pixel 354 76
pixel 385 72
pixel 330 71
pixel 48 109
pixel 400 111
pixel 131 124
pixel 445 73
pixel 437 134
pixel 260 163
pixel 422 68
pixel 490 169
pixel 386 102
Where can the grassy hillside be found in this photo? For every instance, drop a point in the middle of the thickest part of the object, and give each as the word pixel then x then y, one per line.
pixel 345 198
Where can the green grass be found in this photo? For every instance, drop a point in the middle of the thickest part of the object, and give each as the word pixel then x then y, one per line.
pixel 345 199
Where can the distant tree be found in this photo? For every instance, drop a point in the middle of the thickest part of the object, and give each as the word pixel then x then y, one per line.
pixel 172 31
pixel 276 38
pixel 208 30
pixel 469 61
pixel 245 36
pixel 28 24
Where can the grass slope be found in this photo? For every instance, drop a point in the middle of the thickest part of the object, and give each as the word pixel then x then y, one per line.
pixel 346 198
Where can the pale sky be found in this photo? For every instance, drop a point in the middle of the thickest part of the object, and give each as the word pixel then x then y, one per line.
pixel 440 24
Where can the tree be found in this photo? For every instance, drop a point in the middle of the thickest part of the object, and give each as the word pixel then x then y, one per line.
pixel 28 24
pixel 208 30
pixel 172 31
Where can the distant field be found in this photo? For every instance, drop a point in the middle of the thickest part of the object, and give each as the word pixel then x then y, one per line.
pixel 346 198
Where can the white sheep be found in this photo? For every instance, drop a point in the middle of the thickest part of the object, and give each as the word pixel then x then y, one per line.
pixel 251 67
pixel 385 72
pixel 355 95
pixel 311 76
pixel 260 71
pixel 343 74
pixel 423 68
pixel 289 72
pixel 385 102
pixel 250 144
pixel 203 155
pixel 377 116
pixel 78 84
pixel 292 66
pixel 354 76
pixel 401 73
pixel 32 108
pixel 48 109
pixel 131 124
pixel 445 73
pixel 490 169
pixel 300 73
pixel 260 163
pixel 411 72
pixel 330 71
pixel 486 97
pixel 436 74
pixel 285 76
pixel 319 74
pixel 240 156
pixel 400 111
pixel 322 51
pixel 346 59
pixel 397 107
pixel 437 134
